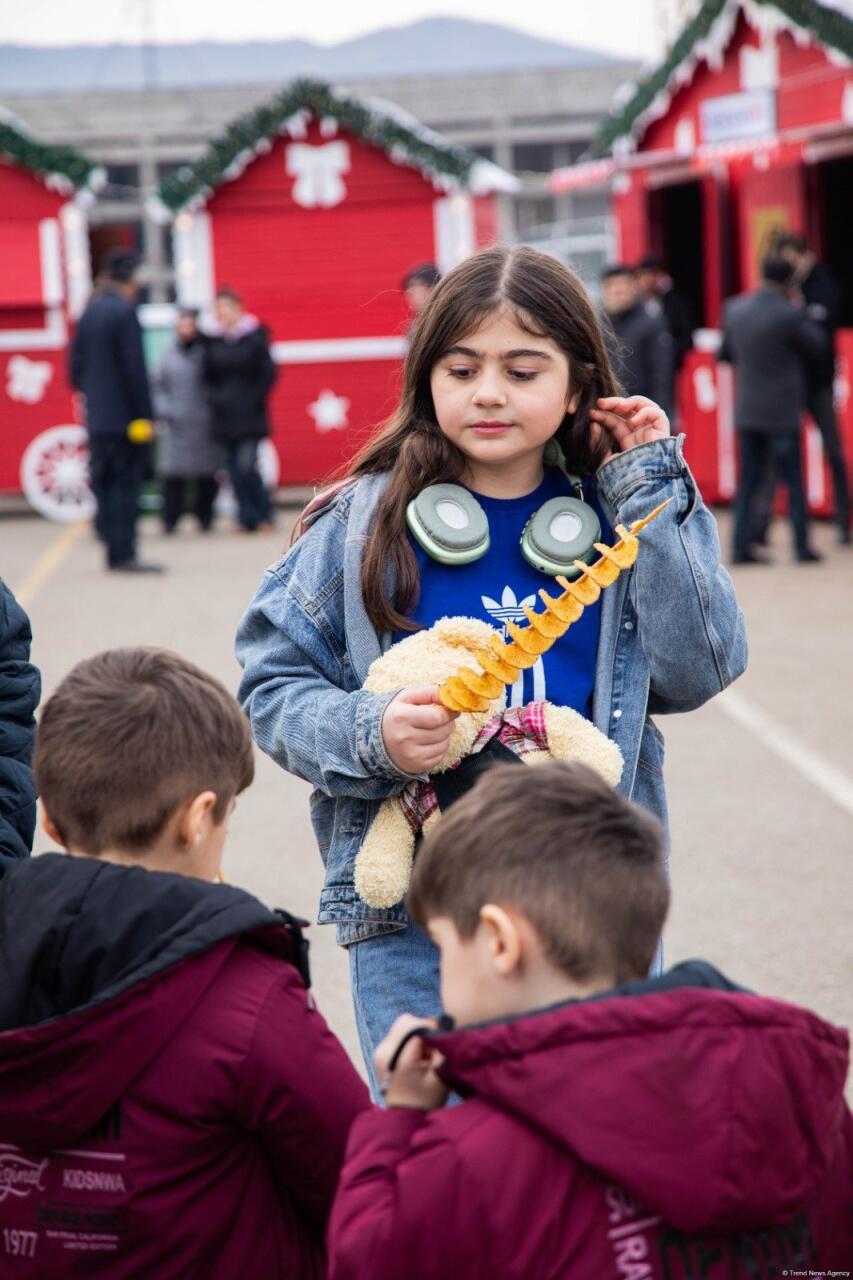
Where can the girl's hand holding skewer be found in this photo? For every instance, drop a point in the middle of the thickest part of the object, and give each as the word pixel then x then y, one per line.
pixel 416 729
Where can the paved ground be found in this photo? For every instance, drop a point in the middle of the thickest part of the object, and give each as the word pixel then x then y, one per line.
pixel 760 781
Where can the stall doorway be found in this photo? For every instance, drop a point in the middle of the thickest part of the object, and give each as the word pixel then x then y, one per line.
pixel 835 215
pixel 678 233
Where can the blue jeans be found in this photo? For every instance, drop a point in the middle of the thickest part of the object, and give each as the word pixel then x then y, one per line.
pixel 398 973
pixel 253 500
pixel 391 974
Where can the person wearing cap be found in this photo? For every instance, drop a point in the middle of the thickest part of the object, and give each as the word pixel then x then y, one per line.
pixel 108 368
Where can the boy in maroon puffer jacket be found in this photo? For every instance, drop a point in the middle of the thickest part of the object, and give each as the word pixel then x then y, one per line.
pixel 172 1105
pixel 613 1125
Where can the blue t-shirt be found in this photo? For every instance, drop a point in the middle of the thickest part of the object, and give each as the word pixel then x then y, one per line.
pixel 495 587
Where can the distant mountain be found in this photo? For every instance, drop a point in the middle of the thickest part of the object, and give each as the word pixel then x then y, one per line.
pixel 430 47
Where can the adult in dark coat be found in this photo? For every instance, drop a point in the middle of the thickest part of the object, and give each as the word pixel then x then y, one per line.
pixel 187 453
pixel 772 344
pixel 108 367
pixel 662 299
pixel 640 345
pixel 239 374
pixel 822 297
pixel 20 689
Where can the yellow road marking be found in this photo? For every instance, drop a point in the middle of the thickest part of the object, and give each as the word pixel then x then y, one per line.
pixel 48 562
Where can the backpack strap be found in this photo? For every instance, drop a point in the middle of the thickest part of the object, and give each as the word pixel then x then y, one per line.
pixel 319 504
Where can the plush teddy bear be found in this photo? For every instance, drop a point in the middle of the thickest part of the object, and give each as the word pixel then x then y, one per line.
pixel 536 732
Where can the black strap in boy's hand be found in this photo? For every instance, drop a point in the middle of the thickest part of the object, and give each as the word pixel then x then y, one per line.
pixel 453 784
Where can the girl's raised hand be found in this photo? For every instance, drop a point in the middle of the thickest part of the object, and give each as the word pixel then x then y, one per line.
pixel 416 729
pixel 629 421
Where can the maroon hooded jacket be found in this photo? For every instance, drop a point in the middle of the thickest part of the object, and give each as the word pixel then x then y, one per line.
pixel 665 1132
pixel 171 1102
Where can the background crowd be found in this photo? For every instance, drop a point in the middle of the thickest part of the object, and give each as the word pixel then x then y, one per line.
pixel 208 397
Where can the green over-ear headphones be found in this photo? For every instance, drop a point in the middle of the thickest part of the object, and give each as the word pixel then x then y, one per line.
pixel 451 526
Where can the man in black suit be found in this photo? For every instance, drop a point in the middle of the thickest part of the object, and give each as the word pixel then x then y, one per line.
pixel 773 344
pixel 822 298
pixel 108 367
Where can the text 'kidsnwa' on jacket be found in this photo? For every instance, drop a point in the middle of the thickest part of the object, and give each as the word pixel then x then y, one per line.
pixel 678 1129
pixel 172 1105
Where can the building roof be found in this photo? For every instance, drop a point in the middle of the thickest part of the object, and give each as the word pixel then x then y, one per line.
pixel 381 123
pixel 63 168
pixel 705 39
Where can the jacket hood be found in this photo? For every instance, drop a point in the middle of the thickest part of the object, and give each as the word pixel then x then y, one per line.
pixel 101 965
pixel 246 324
pixel 718 1109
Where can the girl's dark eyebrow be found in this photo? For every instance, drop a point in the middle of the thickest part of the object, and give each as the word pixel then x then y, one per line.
pixel 507 355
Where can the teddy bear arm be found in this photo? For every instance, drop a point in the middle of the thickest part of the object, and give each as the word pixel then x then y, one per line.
pixel 383 866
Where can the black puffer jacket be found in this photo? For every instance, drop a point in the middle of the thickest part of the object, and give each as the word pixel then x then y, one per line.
pixel 20 690
pixel 238 375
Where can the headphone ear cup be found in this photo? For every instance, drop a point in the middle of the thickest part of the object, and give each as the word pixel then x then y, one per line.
pixel 562 531
pixel 449 524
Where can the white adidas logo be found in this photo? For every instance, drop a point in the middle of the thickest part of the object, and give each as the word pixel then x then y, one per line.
pixel 510 609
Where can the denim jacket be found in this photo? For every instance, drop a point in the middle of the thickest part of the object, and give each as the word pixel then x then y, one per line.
pixel 672 636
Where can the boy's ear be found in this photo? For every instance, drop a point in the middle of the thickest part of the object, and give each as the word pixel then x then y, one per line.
pixel 504 938
pixel 50 828
pixel 192 817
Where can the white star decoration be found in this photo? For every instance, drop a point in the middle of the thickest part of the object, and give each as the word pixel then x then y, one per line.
pixel 329 411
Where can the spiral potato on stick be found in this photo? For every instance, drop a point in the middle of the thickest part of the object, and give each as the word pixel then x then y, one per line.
pixel 471 690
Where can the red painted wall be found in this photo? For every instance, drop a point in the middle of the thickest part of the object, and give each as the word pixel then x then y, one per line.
pixel 486 224
pixel 308 455
pixel 328 273
pixel 766 201
pixel 631 210
pixel 809 92
pixel 21 422
pixel 323 273
pixel 745 199
pixel 24 202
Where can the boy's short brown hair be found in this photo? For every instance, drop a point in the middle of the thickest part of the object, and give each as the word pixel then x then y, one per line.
pixel 557 843
pixel 127 738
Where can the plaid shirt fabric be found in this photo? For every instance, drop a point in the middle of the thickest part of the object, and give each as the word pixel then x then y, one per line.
pixel 522 729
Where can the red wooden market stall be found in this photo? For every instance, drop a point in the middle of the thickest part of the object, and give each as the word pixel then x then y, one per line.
pixel 44 284
pixel 744 131
pixel 314 208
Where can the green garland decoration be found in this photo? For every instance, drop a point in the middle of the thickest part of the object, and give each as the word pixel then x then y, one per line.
pixel 46 161
pixel 246 132
pixel 829 27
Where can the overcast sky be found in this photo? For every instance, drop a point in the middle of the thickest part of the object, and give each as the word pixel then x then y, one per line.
pixel 618 26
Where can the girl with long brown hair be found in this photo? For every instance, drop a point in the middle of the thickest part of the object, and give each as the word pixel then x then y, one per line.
pixel 510 407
